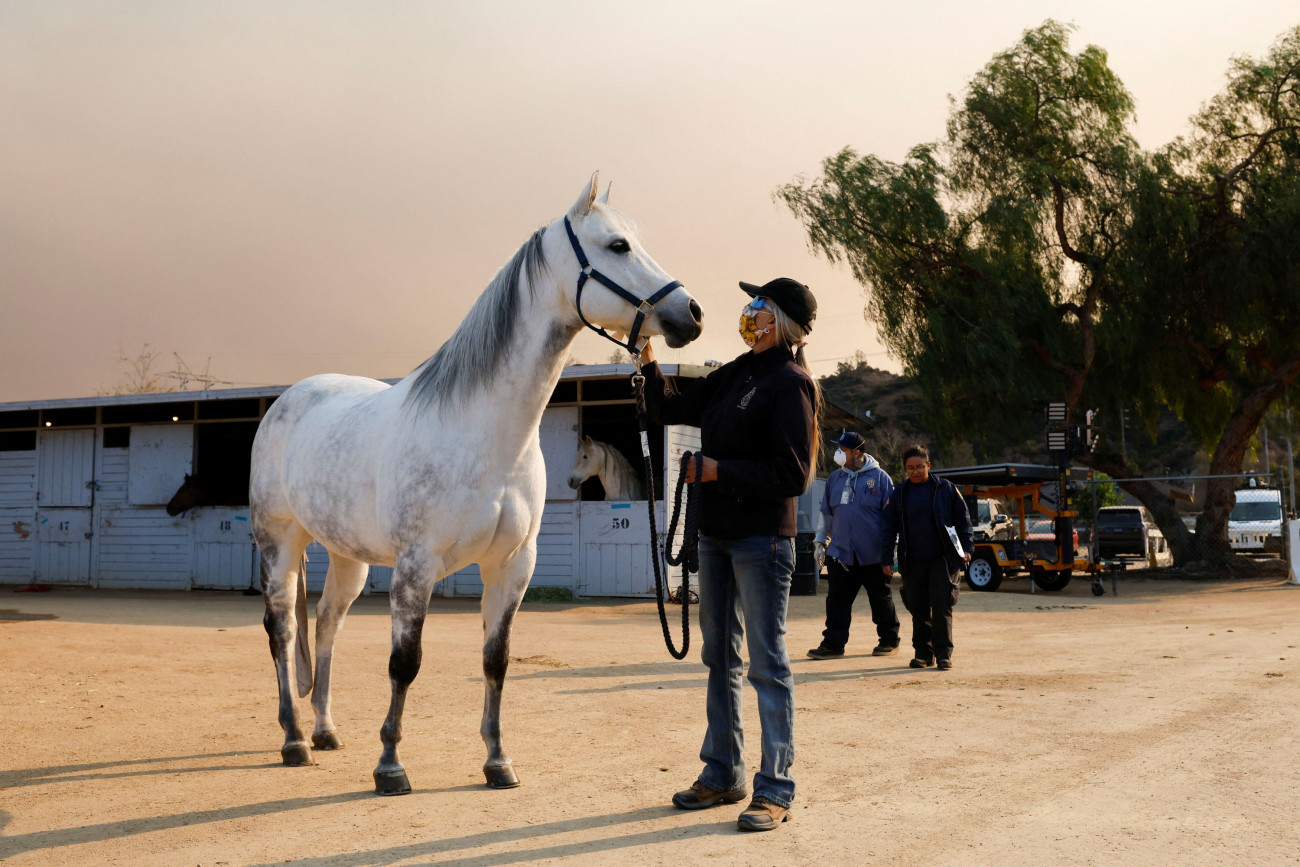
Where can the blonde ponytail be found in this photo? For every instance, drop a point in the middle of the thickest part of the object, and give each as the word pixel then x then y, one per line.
pixel 795 337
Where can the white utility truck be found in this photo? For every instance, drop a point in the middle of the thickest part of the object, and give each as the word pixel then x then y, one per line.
pixel 1255 523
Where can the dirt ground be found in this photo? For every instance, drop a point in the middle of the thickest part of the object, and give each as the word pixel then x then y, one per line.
pixel 1155 727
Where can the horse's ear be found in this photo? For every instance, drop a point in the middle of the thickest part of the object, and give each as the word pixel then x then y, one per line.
pixel 586 198
pixel 604 200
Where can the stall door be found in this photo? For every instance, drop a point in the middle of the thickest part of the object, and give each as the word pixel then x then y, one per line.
pixel 65 494
pixel 559 436
pixel 17 514
pixel 223 547
pixel 161 456
pixel 614 556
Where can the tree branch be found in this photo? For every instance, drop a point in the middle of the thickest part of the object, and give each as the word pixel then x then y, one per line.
pixel 1058 195
pixel 1259 148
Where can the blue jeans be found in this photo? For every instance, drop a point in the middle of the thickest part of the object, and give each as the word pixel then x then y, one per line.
pixel 747 577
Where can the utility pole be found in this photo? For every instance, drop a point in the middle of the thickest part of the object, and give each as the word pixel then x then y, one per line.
pixel 1123 448
pixel 1290 455
pixel 1268 475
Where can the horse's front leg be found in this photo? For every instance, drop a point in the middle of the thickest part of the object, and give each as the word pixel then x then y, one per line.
pixel 503 590
pixel 413 581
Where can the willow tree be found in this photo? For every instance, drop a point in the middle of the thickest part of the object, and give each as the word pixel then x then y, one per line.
pixel 989 257
pixel 1015 262
pixel 1210 303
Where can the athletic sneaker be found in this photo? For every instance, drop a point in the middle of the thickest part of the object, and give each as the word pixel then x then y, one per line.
pixel 824 652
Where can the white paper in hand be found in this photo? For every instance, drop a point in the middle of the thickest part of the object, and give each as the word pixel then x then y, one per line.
pixel 956 543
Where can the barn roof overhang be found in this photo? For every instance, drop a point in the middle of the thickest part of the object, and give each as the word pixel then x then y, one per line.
pixel 835 416
pixel 572 372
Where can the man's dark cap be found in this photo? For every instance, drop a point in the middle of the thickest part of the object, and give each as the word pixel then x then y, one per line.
pixel 850 439
pixel 794 299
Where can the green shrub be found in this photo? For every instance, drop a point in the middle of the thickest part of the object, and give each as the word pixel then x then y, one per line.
pixel 548 594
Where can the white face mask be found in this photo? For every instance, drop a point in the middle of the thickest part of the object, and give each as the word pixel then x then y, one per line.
pixel 840 457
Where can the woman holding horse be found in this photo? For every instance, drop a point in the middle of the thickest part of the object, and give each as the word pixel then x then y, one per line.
pixel 758 426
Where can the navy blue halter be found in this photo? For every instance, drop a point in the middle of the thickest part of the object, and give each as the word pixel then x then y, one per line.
pixel 644 306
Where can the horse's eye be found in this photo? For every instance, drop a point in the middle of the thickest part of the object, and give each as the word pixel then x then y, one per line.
pixel 618 245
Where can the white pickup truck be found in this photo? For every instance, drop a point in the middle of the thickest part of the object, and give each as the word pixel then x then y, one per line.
pixel 1255 523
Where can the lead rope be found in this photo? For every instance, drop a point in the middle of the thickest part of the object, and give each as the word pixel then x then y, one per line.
pixel 688 556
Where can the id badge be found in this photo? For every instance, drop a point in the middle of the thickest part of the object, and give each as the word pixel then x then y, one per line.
pixel 845 495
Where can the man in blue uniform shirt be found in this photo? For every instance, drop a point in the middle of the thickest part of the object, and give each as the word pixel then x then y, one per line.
pixel 849 534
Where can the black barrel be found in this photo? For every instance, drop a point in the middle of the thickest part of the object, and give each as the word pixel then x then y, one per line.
pixel 804 580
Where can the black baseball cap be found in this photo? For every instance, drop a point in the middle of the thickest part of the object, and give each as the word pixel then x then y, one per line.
pixel 794 299
pixel 851 439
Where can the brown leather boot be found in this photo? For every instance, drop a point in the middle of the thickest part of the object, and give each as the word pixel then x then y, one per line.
pixel 699 796
pixel 762 815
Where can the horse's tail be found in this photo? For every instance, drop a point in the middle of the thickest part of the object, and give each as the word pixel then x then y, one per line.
pixel 303 666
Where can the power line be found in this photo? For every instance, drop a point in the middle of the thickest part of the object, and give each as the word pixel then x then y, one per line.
pixel 423 352
pixel 855 355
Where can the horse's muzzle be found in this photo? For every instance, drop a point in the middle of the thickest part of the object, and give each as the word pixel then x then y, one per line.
pixel 680 330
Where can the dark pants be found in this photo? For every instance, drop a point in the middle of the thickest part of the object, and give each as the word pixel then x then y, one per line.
pixel 929 594
pixel 844 582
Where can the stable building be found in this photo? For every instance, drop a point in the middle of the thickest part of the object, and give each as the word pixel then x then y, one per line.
pixel 84 485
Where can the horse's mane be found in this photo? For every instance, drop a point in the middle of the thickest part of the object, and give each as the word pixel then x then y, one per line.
pixel 473 356
pixel 617 456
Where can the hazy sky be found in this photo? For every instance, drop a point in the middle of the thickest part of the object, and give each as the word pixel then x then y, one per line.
pixel 288 188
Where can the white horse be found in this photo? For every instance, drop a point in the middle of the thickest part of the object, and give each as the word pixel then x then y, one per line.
pixel 441 470
pixel 595 458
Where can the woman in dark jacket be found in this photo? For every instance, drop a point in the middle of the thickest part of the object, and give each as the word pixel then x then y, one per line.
pixel 758 431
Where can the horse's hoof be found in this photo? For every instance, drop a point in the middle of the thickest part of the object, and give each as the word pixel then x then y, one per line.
pixel 500 777
pixel 392 783
pixel 296 755
pixel 326 740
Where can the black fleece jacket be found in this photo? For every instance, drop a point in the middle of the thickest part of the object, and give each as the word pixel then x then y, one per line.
pixel 756 420
pixel 948 510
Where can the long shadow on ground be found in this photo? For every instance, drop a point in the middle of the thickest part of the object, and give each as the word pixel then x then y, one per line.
pixel 429 848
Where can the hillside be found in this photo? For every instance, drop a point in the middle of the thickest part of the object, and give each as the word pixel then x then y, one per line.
pixel 893 402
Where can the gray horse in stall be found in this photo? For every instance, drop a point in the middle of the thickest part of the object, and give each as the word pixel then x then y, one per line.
pixel 602 460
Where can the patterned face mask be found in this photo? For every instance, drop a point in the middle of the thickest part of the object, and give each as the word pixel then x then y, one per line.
pixel 748 327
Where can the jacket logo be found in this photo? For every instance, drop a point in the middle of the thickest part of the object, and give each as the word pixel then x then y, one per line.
pixel 744 401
